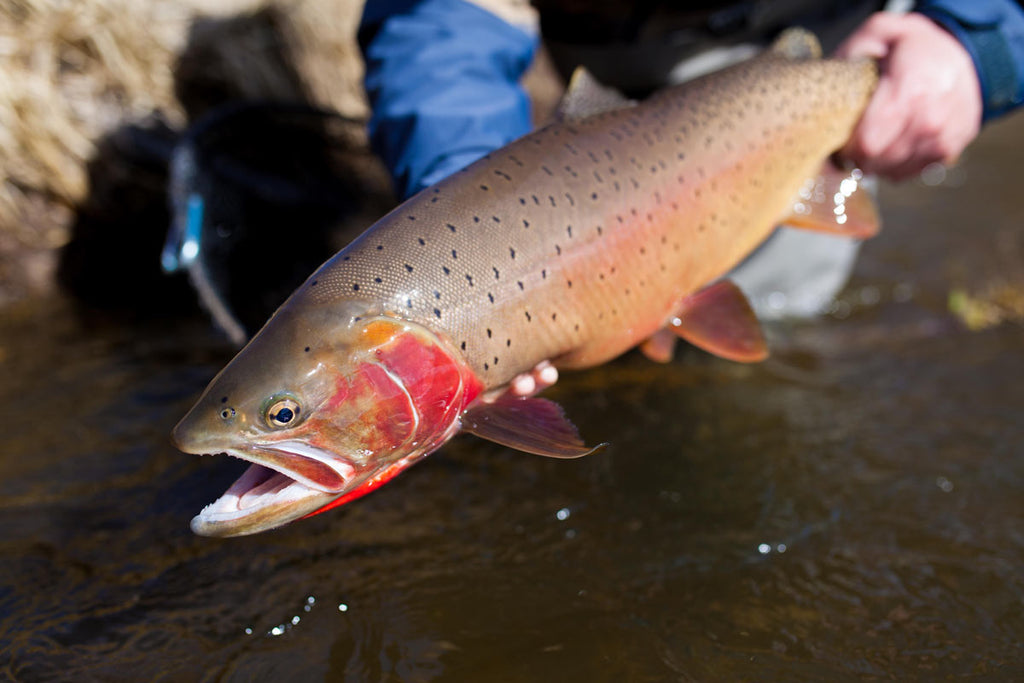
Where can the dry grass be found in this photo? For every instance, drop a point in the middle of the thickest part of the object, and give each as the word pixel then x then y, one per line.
pixel 74 70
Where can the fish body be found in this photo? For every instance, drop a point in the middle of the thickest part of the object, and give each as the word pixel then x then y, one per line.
pixel 604 230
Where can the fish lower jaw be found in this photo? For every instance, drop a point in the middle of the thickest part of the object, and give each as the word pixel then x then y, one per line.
pixel 265 496
pixel 260 499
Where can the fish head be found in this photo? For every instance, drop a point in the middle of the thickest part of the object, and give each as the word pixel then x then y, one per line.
pixel 327 403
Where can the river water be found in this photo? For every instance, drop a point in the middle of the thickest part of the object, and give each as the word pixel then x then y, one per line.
pixel 851 509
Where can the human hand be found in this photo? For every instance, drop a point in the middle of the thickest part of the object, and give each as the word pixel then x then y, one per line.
pixel 927 107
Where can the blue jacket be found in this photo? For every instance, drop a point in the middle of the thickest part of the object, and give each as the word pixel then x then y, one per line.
pixel 443 77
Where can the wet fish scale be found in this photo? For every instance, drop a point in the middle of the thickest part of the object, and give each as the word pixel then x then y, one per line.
pixel 562 244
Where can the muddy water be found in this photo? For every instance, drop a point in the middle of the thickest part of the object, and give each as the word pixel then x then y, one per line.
pixel 852 508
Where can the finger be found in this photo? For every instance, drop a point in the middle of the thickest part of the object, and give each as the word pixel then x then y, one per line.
pixel 873 39
pixel 881 124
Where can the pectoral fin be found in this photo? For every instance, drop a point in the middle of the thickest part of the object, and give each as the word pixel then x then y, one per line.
pixel 719 320
pixel 836 202
pixel 534 425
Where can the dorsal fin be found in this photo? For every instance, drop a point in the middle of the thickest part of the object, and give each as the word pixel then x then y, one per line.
pixel 586 96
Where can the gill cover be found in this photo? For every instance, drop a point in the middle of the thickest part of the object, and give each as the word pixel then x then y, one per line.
pixel 329 401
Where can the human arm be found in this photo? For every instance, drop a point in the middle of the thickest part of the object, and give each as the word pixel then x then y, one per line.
pixel 945 69
pixel 443 81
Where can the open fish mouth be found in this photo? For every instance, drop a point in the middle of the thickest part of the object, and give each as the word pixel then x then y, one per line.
pixel 284 482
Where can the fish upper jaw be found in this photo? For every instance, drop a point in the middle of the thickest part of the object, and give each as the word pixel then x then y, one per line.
pixel 286 480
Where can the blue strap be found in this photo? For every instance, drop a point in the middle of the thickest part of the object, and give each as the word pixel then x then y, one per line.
pixel 443 80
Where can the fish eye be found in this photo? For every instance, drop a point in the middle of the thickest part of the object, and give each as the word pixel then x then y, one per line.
pixel 227 413
pixel 283 412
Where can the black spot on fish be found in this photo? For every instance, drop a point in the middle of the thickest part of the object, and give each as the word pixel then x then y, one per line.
pixel 486 366
pixel 554 316
pixel 313 283
pixel 593 195
pixel 476 219
pixel 544 274
pixel 495 219
pixel 552 200
pixel 412 218
pixel 489 333
pixel 512 253
pixel 421 241
pixel 469 279
pixel 568 230
pixel 306 349
pixel 451 227
pixel 520 283
pixel 495 360
pixel 484 188
pixel 408 303
pixel 408 268
pixel 490 297
pixel 508 342
pixel 529 318
pixel 378 280
pixel 535 200
pixel 547 170
pixel 526 224
pixel 522 200
pixel 380 247
pixel 224 399
pixel 355 288
pixel 497 275
pixel 437 313
pixel 569 283
pixel 454 254
pixel 446 269
pixel 437 294
pixel 463 346
pixel 558 250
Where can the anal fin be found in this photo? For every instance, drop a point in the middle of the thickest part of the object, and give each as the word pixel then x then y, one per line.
pixel 533 425
pixel 719 320
pixel 835 202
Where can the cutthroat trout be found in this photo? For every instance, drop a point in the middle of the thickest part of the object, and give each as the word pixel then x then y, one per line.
pixel 610 228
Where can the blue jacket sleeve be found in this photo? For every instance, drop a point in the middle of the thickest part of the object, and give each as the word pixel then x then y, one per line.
pixel 992 31
pixel 442 77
